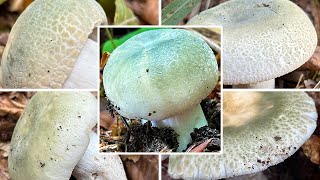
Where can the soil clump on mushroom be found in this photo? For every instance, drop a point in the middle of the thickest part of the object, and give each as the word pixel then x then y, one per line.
pixel 144 138
pixel 212 112
pixel 199 135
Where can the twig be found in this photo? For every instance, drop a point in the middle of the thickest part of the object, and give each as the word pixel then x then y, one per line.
pixel 300 78
pixel 207 5
pixel 317 86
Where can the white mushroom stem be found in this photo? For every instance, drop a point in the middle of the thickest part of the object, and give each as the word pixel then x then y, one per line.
pixel 98 166
pixel 84 73
pixel 184 124
pixel 260 85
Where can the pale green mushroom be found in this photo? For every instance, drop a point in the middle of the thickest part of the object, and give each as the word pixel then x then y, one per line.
pixel 53 45
pixel 262 40
pixel 53 138
pixel 260 129
pixel 162 75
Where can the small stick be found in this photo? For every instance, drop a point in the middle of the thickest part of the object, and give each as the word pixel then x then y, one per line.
pixel 104 60
pixel 317 85
pixel 300 78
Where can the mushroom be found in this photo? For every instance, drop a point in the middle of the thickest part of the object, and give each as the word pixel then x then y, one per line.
pixel 52 135
pixel 260 129
pixel 262 40
pixel 162 75
pixel 98 166
pixel 53 45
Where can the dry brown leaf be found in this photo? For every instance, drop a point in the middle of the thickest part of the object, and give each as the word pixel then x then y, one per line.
pixel 16 5
pixel 4 151
pixel 133 158
pixel 145 168
pixel 106 120
pixel 146 10
pixel 311 149
pixel 4 38
pixel 6 129
pixel 314 62
pixel 12 105
pixel 4 174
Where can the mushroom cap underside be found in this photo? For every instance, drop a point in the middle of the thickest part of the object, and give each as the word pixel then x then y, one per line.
pixel 160 73
pixel 261 130
pixel 262 39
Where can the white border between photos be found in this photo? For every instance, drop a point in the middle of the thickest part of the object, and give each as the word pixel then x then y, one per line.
pixel 221 120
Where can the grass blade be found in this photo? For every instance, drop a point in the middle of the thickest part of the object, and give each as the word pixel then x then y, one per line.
pixel 173 13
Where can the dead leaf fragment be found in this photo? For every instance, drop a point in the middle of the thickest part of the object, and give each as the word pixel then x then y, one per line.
pixel 314 62
pixel 145 168
pixel 12 105
pixel 311 148
pixel 133 158
pixel 146 10
pixel 4 174
pixel 106 121
pixel 4 151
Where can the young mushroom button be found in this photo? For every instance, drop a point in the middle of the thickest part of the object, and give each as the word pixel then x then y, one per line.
pixel 53 45
pixel 162 75
pixel 263 39
pixel 260 129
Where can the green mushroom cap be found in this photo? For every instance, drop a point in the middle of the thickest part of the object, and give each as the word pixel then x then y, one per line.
pixel 160 73
pixel 263 39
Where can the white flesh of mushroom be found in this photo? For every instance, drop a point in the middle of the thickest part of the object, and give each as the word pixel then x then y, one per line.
pixel 84 73
pixel 98 166
pixel 184 124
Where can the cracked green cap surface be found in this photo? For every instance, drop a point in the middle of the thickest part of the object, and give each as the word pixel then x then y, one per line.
pixel 46 41
pixel 262 39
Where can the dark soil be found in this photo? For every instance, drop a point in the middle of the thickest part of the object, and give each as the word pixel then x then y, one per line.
pixel 298 166
pixel 144 138
pixel 202 134
pixel 212 112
